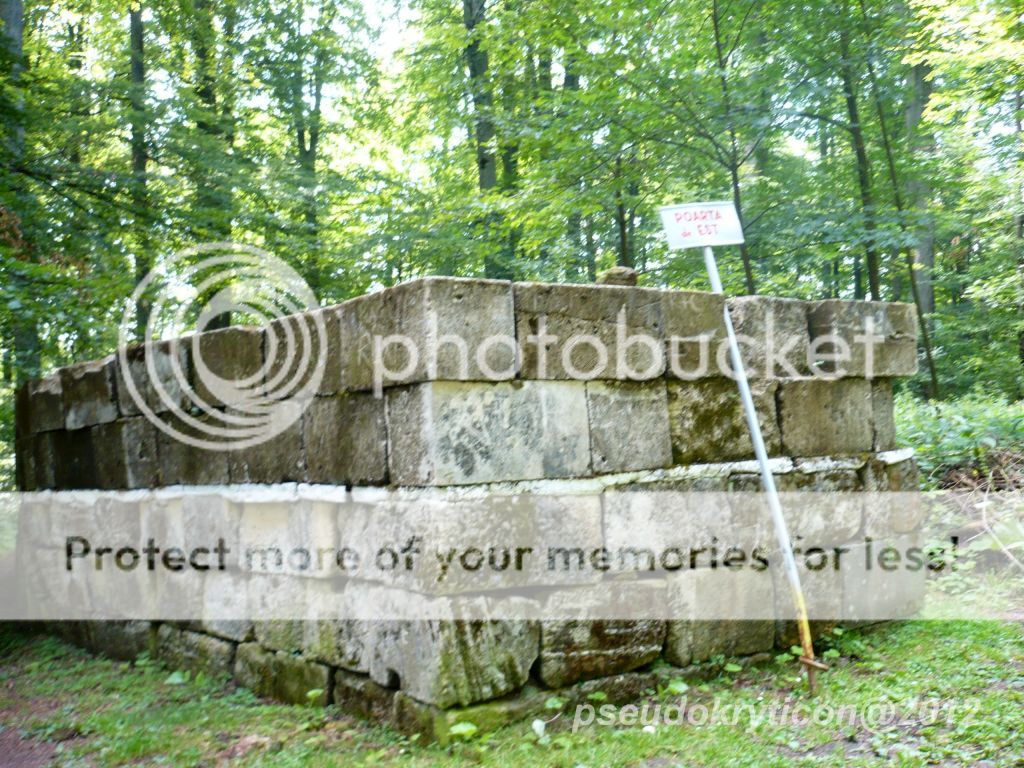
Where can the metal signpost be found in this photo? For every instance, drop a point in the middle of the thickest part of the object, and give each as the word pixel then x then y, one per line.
pixel 703 225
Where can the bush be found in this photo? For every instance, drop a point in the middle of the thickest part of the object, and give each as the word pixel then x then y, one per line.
pixel 958 432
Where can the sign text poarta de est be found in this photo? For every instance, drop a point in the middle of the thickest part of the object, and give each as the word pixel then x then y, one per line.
pixel 693 225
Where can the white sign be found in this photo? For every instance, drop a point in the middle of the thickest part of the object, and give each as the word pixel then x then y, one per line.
pixel 701 224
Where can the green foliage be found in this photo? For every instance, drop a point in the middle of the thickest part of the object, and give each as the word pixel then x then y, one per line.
pixel 960 431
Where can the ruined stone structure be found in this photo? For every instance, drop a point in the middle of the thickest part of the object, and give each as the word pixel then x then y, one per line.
pixel 442 422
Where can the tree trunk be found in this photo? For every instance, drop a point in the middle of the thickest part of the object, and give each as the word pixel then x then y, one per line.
pixel 919 190
pixel 624 257
pixel 863 168
pixel 25 328
pixel 140 204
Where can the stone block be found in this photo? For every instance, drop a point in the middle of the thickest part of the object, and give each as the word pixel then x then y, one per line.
pixel 583 649
pixel 155 374
pixel 451 329
pixel 278 458
pixel 720 612
pixel 454 662
pixel 286 536
pixel 359 695
pixel 126 454
pixel 74 460
pixel 773 336
pixel 826 418
pixel 892 471
pixel 226 365
pixel 44 459
pixel 89 393
pixel 184 463
pixel 39 406
pixel 835 326
pixel 707 421
pixel 452 433
pixel 882 415
pixel 587 332
pixel 303 354
pixel 345 439
pixel 881 581
pixel 182 649
pixel 281 676
pixel 628 426
pixel 24 464
pixel 123 640
pixel 694 327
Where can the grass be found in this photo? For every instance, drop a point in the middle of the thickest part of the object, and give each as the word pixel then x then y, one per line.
pixel 95 712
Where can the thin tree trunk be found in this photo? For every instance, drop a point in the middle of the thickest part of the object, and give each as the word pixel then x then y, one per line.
pixel 919 190
pixel 25 330
pixel 863 168
pixel 624 257
pixel 140 203
pixel 734 153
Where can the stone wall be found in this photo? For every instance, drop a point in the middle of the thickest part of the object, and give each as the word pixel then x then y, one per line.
pixel 517 412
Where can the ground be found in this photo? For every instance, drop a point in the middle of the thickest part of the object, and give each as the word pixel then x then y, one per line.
pixel 61 706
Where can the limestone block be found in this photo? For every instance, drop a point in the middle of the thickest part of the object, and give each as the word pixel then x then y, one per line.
pixel 454 662
pixel 159 373
pixel 707 422
pixel 451 433
pixel 89 393
pixel 126 454
pixel 281 676
pixel 279 634
pixel 359 695
pixel 729 594
pixel 182 649
pixel 628 426
pixel 182 463
pixel 826 418
pixel 44 459
pixel 39 406
pixel 74 460
pixel 278 458
pixel 882 581
pixel 892 471
pixel 288 536
pixel 836 325
pixel 123 640
pixel 592 329
pixel 345 439
pixel 694 332
pixel 339 642
pixel 774 342
pixel 303 354
pixel 892 513
pixel 226 365
pixel 582 649
pixel 882 415
pixel 451 329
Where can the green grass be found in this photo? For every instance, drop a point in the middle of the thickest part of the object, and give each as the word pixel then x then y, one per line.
pixel 104 713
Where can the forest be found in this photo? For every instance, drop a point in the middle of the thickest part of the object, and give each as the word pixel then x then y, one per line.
pixel 874 149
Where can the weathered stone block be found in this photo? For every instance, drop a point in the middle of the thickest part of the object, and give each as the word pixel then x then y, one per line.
pixel 628 426
pixel 277 459
pixel 774 342
pixel 840 331
pixel 184 463
pixel 892 471
pixel 881 581
pixel 182 649
pixel 582 649
pixel 713 593
pixel 591 330
pixel 707 422
pixel 303 353
pixel 359 695
pixel 226 365
pixel 24 464
pixel 453 662
pixel 826 418
pixel 155 374
pixel 286 536
pixel 345 439
pixel 450 433
pixel 89 393
pixel 74 460
pixel 126 454
pixel 882 415
pixel 39 406
pixel 124 640
pixel 44 459
pixel 694 327
pixel 451 329
pixel 281 676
